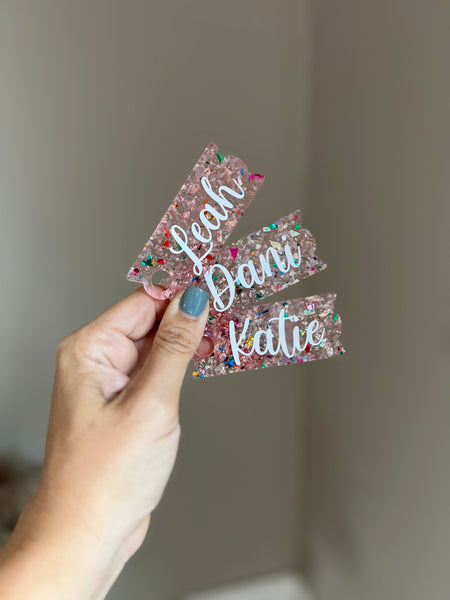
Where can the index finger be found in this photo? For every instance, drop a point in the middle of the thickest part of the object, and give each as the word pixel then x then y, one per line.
pixel 134 316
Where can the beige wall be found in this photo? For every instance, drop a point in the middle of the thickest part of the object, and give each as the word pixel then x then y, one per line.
pixel 105 107
pixel 379 421
pixel 101 121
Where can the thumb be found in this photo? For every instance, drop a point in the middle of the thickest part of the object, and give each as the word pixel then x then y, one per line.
pixel 176 339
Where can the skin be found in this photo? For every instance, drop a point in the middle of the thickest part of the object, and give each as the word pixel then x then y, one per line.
pixel 112 440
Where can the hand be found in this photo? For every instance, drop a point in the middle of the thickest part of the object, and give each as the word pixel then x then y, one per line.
pixel 111 444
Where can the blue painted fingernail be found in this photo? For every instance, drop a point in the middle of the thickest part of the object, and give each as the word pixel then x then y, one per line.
pixel 193 301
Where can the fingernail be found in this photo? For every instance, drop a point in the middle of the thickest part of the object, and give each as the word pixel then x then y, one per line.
pixel 193 301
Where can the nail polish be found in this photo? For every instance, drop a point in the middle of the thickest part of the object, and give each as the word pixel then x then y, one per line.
pixel 193 301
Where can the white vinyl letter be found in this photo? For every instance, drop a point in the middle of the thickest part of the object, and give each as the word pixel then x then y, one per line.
pixel 218 304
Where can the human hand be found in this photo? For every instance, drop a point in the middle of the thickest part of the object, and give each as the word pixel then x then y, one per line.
pixel 111 444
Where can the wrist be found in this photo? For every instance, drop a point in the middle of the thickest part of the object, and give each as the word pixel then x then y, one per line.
pixel 49 557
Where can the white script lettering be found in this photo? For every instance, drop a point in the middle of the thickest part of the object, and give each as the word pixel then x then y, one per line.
pixel 204 236
pixel 255 344
pixel 248 276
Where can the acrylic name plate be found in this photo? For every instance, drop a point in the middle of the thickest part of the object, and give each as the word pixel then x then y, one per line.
pixel 263 263
pixel 189 247
pixel 266 335
pixel 196 225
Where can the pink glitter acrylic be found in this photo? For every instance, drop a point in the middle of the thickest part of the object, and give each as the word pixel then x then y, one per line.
pixel 295 331
pixel 189 246
pixel 193 230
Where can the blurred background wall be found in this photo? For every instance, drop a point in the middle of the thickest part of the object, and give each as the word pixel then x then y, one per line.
pixel 378 422
pixel 339 468
pixel 105 108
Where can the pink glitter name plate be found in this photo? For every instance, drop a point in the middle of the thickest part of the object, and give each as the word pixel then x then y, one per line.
pixel 263 263
pixel 188 247
pixel 266 335
pixel 196 225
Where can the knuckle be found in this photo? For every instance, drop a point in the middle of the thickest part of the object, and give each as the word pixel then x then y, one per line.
pixel 64 347
pixel 74 345
pixel 177 339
